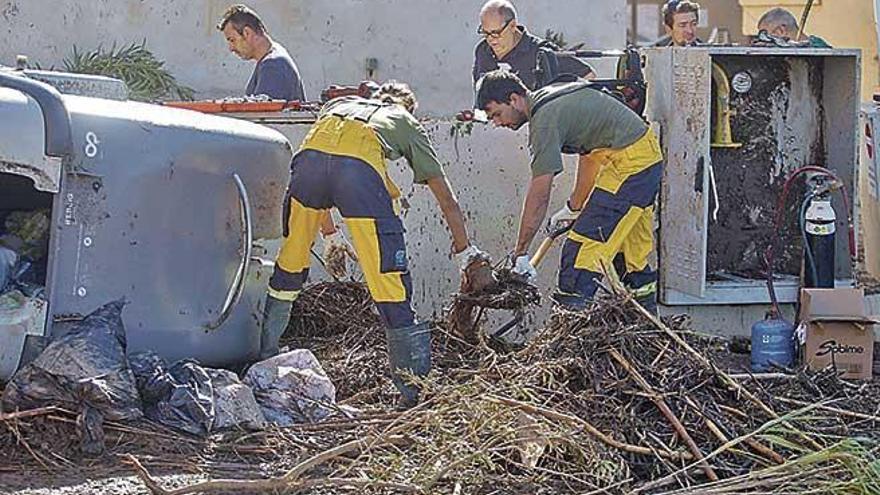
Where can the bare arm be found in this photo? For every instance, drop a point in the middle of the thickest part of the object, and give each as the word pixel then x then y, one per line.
pixel 451 212
pixel 585 180
pixel 534 211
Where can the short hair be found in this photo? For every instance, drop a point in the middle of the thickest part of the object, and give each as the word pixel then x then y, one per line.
pixel 497 86
pixel 673 7
pixel 779 17
pixel 504 7
pixel 399 93
pixel 241 16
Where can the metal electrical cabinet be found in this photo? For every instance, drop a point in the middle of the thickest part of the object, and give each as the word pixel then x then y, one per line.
pixel 734 122
pixel 156 205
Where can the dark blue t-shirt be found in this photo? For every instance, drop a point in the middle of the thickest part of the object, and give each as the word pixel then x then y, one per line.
pixel 276 76
pixel 522 60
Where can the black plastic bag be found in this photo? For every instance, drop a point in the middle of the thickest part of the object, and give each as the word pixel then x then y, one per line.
pixel 180 396
pixel 84 371
pixel 87 365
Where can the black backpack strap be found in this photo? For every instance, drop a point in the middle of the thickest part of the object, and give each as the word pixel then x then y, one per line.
pixel 559 94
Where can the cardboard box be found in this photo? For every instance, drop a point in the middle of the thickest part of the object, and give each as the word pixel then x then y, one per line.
pixel 835 329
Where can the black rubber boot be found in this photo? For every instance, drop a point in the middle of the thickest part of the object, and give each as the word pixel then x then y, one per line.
pixel 649 302
pixel 570 302
pixel 276 316
pixel 409 350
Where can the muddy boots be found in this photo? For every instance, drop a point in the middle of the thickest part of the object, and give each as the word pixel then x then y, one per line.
pixel 276 316
pixel 409 352
pixel 649 302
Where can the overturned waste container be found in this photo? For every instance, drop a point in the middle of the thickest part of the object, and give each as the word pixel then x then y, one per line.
pixel 161 206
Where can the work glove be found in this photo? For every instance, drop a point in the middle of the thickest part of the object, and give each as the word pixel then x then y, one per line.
pixel 476 268
pixel 336 253
pixel 522 266
pixel 563 218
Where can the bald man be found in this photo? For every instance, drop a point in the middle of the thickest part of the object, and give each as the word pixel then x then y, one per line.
pixel 781 23
pixel 507 45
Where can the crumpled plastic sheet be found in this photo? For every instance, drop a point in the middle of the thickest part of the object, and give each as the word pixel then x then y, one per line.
pixel 194 399
pixel 292 388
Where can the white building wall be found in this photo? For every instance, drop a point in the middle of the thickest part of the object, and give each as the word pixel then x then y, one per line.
pixel 428 43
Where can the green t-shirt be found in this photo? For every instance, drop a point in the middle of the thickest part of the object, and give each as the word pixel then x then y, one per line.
pixel 401 135
pixel 817 42
pixel 572 118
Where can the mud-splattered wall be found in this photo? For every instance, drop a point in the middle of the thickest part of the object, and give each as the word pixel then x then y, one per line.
pixel 489 173
pixel 779 123
pixel 428 43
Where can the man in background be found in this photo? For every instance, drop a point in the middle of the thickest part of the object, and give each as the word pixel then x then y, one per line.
pixel 507 45
pixel 275 75
pixel 780 23
pixel 680 18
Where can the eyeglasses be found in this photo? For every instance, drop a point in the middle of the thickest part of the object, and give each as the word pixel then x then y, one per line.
pixel 493 34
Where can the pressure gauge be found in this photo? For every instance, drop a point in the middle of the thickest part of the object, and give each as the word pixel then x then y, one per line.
pixel 741 82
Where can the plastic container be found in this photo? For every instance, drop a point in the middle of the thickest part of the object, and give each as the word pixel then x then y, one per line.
pixel 772 344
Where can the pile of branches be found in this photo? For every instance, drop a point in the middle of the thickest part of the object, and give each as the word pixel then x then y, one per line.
pixel 511 292
pixel 338 322
pixel 611 400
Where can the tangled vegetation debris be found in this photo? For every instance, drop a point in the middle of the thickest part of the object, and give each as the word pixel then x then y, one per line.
pixel 611 400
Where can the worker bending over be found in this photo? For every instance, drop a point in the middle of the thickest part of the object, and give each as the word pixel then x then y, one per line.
pixel 342 164
pixel 624 163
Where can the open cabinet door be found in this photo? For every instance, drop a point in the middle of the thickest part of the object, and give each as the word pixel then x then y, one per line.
pixel 868 198
pixel 679 102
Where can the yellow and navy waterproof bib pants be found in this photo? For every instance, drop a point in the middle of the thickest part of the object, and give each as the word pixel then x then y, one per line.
pixel 618 218
pixel 341 164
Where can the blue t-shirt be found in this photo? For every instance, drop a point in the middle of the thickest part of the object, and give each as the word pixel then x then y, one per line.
pixel 276 76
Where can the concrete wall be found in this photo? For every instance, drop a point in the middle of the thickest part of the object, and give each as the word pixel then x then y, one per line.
pixel 428 43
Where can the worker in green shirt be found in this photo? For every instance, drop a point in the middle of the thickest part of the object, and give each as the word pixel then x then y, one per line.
pixel 612 202
pixel 342 164
pixel 781 24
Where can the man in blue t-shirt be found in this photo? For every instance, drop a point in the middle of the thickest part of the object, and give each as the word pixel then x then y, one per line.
pixel 275 75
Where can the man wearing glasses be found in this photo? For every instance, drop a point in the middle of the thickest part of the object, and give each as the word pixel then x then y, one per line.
pixel 507 45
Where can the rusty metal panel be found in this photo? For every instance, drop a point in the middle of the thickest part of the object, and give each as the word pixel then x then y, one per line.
pixel 679 103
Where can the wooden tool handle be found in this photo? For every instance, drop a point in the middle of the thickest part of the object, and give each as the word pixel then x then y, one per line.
pixel 547 243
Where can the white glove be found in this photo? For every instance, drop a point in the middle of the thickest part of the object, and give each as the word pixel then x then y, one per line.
pixel 468 255
pixel 563 217
pixel 522 265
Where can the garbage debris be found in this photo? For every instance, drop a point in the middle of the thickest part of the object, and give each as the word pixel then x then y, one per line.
pixel 510 292
pixel 564 415
pixel 27 232
pixel 85 370
pixel 194 399
pixel 235 406
pixel 292 388
pixel 180 396
pixel 8 261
